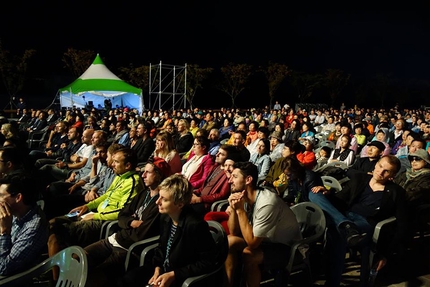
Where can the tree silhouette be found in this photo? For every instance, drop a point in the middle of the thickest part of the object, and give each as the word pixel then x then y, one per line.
pixel 381 87
pixel 335 80
pixel 78 61
pixel 195 78
pixel 13 70
pixel 275 74
pixel 235 78
pixel 305 84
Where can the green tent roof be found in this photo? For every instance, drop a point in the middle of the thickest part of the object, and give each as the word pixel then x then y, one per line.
pixel 99 78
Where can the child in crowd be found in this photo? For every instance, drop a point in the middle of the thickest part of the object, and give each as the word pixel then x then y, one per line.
pixel 322 157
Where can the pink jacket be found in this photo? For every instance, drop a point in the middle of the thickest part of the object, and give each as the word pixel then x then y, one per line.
pixel 198 178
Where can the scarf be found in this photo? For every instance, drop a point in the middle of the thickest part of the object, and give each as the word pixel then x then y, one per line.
pixel 411 174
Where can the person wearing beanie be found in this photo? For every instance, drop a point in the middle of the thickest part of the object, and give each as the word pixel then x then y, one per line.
pixel 137 221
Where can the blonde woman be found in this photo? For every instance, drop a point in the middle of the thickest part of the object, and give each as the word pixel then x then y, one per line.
pixel 9 131
pixel 165 149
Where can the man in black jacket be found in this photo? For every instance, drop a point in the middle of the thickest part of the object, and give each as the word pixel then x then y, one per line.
pixel 137 221
pixel 145 145
pixel 355 211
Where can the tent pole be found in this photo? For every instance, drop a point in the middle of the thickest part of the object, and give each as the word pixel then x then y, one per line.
pixel 71 97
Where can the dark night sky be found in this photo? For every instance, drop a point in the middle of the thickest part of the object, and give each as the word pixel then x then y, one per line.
pixel 362 40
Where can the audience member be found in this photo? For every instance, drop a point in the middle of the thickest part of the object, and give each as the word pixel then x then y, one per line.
pixel 276 146
pixel 214 142
pixel 307 155
pixel 215 186
pixel 344 152
pixel 291 148
pixel 375 150
pixel 262 133
pixel 137 221
pixel 199 164
pixel 144 145
pixel 193 251
pixel 165 148
pixel 84 228
pixel 322 157
pixel 262 159
pixel 226 129
pixel 262 227
pixel 239 140
pixel 185 139
pixel 363 201
pixel 23 227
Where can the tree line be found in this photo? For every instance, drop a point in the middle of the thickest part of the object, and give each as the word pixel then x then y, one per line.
pixel 331 86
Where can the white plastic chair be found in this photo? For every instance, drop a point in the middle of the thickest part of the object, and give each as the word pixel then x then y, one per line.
pixel 73 265
pixel 331 182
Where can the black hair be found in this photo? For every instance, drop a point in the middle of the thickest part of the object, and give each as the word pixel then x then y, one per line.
pixel 129 156
pixel 248 169
pixel 21 183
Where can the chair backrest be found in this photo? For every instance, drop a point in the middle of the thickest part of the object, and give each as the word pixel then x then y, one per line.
pixel 41 203
pixel 220 237
pixel 331 182
pixel 311 219
pixel 73 265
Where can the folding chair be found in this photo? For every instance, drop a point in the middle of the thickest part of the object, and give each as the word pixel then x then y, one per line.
pixel 73 265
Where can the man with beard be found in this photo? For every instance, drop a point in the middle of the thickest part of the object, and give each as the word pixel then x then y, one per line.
pixel 262 227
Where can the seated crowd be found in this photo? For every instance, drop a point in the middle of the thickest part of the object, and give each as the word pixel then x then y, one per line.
pixel 160 172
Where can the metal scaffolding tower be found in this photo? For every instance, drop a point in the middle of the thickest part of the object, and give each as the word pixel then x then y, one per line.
pixel 168 86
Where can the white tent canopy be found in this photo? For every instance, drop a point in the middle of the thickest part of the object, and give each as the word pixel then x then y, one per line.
pixel 96 85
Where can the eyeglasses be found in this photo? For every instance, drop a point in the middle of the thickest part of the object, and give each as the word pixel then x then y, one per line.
pixel 415 158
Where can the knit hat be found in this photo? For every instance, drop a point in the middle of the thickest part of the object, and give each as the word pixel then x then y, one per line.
pixel 422 154
pixel 162 166
pixel 379 145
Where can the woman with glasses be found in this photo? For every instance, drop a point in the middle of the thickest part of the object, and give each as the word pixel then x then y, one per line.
pixel 196 169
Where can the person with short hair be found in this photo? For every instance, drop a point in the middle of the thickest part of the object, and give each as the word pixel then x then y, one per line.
pixel 262 227
pixel 354 212
pixel 198 166
pixel 23 227
pixel 137 221
pixel 11 161
pixel 193 251
pixel 144 145
pixel 375 150
pixel 84 229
